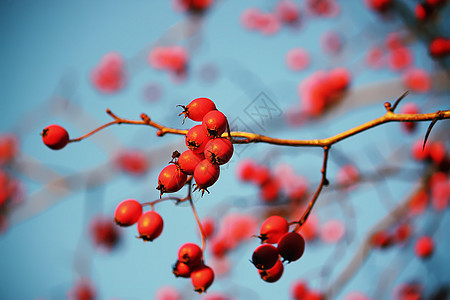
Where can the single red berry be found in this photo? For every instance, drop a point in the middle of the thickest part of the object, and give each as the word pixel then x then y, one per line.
pixel 190 254
pixel 439 47
pixel 380 6
pixel 104 234
pixel 409 108
pixel 134 162
pixel 424 247
pixel 299 289
pixel 197 109
pixel 270 189
pixel 55 137
pixel 219 151
pixel 272 274
pixel 206 174
pixel 181 269
pixel 188 160
pixel 208 225
pixel 171 179
pixel 127 212
pixel 150 225
pixel 381 239
pixel 265 257
pixel 202 278
pixel 272 229
pixel 423 11
pixel 196 139
pixel 215 123
pixel 83 290
pixel 291 246
pixel 287 11
pixel 402 232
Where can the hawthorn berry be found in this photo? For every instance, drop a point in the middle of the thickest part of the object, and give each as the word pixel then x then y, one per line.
pixel 439 47
pixel 265 257
pixel 218 151
pixel 409 108
pixel 272 274
pixel 190 254
pixel 202 278
pixel 83 290
pixel 171 179
pixel 127 212
pixel 55 137
pixel 206 174
pixel 272 229
pixel 150 226
pixel 104 234
pixel 215 123
pixel 197 109
pixel 180 269
pixel 196 139
pixel 188 160
pixel 291 246
pixel 424 247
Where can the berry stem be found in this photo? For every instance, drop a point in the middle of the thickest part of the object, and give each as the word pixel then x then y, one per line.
pixel 323 182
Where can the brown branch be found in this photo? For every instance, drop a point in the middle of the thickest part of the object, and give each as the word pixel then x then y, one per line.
pixel 248 137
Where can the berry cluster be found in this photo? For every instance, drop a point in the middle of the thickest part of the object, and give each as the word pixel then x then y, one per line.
pixel 171 58
pixel 207 149
pixel 272 184
pixel 323 89
pixel 149 223
pixel 190 264
pixel 267 258
pixel 286 12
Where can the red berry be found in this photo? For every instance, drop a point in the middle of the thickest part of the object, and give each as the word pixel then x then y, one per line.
pixel 379 5
pixel 188 160
pixel 272 274
pixel 299 289
pixel 265 257
pixel 202 278
pixel 291 246
pixel 171 179
pixel 219 151
pixel 381 239
pixel 198 108
pixel 190 254
pixel 272 229
pixel 127 212
pixel 423 11
pixel 150 225
pixel 181 269
pixel 8 148
pixel 409 108
pixel 424 247
pixel 109 75
pixel 206 174
pixel 105 235
pixel 83 290
pixel 439 47
pixel 55 137
pixel 196 139
pixel 215 123
pixel 134 162
pixel 297 59
pixel 287 11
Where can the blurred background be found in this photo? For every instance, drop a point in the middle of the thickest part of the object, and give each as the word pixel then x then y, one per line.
pixel 289 69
